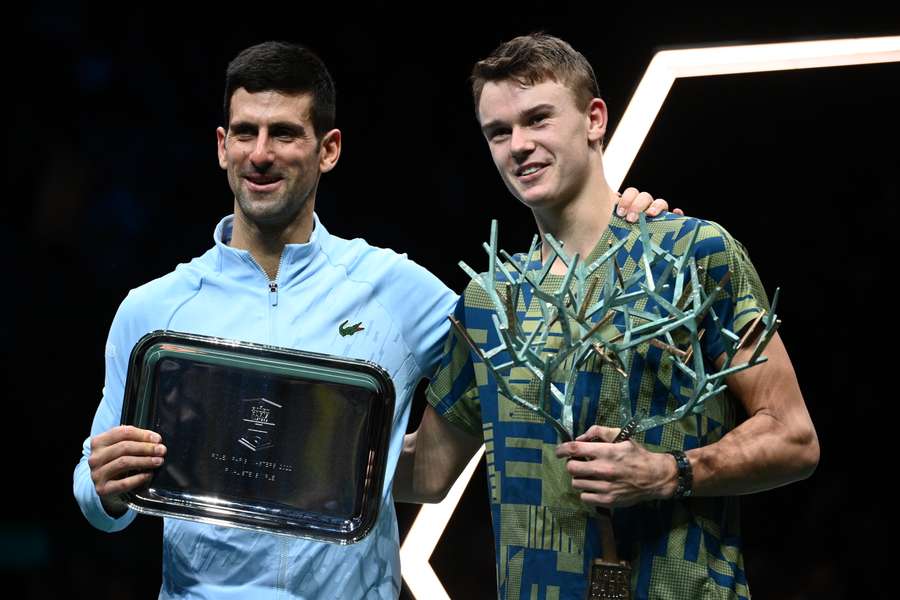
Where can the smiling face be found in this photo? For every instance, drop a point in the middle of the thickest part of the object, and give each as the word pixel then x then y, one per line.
pixel 273 158
pixel 543 145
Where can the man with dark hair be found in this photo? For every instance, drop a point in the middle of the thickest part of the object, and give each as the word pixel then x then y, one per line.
pixel 673 487
pixel 274 276
pixel 288 68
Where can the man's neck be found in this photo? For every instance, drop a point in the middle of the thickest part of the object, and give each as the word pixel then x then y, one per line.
pixel 579 224
pixel 267 244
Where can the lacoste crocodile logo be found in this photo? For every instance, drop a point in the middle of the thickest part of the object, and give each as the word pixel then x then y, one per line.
pixel 345 331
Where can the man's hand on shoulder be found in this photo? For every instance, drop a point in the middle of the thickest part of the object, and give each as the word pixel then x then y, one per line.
pixel 633 202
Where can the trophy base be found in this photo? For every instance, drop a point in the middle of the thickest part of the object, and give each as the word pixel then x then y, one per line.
pixel 609 580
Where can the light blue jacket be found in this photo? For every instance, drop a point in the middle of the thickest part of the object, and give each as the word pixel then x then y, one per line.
pixel 225 293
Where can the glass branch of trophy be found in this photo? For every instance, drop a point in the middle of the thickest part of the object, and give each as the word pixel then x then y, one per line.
pixel 596 313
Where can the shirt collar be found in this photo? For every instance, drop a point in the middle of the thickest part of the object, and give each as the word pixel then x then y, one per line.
pixel 295 258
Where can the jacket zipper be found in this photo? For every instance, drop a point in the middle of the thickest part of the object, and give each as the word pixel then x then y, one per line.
pixel 273 292
pixel 272 283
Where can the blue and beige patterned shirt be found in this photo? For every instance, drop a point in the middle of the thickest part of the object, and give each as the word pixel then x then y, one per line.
pixel 544 536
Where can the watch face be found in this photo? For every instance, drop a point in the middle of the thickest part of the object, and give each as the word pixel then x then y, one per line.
pixel 260 437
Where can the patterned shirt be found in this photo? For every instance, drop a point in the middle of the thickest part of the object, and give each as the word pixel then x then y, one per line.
pixel 544 537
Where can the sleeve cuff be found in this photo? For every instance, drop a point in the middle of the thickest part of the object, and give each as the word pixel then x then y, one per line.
pixel 92 507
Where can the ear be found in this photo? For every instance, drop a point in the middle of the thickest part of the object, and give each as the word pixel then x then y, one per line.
pixel 597 119
pixel 220 143
pixel 329 150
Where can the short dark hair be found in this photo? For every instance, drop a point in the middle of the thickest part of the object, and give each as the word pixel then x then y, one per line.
pixel 535 58
pixel 287 68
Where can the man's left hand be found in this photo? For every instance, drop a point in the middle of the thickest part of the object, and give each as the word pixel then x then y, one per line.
pixel 633 202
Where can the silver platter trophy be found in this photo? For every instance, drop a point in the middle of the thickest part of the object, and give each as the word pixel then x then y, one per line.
pixel 581 311
pixel 259 437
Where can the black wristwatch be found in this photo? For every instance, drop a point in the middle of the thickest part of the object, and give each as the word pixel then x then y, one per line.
pixel 685 475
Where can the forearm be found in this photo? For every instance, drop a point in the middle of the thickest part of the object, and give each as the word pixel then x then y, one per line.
pixel 775 446
pixel 766 451
pixel 431 460
pixel 411 481
pixel 762 453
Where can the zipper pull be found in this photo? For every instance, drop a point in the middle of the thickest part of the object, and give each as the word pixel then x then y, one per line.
pixel 273 293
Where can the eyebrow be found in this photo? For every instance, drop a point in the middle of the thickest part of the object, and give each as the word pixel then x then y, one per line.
pixel 247 126
pixel 490 125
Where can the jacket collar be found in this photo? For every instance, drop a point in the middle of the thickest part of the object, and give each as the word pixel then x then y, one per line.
pixel 295 258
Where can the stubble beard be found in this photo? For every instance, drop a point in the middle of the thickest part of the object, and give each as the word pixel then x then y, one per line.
pixel 271 212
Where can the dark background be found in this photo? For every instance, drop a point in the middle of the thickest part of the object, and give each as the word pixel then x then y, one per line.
pixel 112 180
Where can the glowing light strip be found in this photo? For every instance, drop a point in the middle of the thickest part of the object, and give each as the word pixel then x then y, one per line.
pixel 424 534
pixel 669 65
pixel 664 68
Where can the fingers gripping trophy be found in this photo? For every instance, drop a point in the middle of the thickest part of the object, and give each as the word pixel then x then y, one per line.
pixel 600 313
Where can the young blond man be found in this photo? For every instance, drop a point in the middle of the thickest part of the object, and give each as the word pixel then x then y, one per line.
pixel 674 488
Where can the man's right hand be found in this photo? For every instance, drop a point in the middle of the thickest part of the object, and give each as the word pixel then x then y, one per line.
pixel 120 461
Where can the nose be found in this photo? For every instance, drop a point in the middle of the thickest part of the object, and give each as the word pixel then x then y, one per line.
pixel 262 155
pixel 520 143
